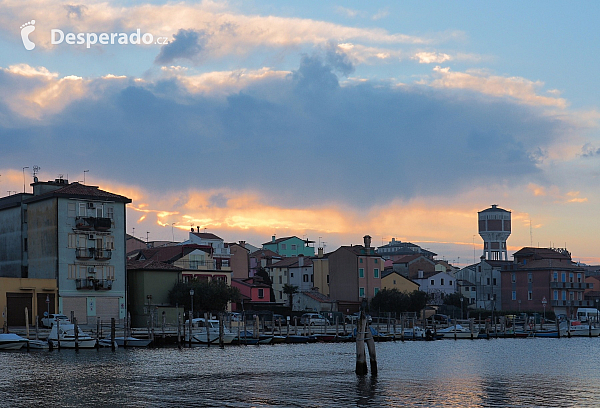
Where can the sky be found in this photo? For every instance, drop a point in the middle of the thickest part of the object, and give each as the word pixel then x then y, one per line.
pixel 324 120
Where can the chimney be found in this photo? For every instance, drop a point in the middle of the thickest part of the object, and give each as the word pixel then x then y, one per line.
pixel 300 261
pixel 198 229
pixel 320 252
pixel 273 238
pixel 393 239
pixel 243 243
pixel 367 239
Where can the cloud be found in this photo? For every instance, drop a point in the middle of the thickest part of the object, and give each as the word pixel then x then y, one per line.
pixel 186 44
pixel 588 150
pixel 431 57
pixel 520 89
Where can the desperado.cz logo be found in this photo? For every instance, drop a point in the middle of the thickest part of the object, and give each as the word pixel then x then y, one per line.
pixel 57 36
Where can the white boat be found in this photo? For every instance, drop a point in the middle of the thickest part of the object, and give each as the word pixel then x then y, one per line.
pixel 65 335
pixel 583 330
pixel 199 327
pixel 131 341
pixel 456 332
pixel 38 345
pixel 11 341
pixel 409 333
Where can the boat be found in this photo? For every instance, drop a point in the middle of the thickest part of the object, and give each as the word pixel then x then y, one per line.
pixel 200 326
pixel 38 345
pixel 457 332
pixel 11 341
pixel 296 339
pixel 579 329
pixel 410 333
pixel 131 341
pixel 63 336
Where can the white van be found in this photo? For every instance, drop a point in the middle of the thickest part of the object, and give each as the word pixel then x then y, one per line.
pixel 588 314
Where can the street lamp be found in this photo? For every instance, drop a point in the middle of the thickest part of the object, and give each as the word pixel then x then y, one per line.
pixel 544 301
pixel 192 297
pixel 462 299
pixel 597 311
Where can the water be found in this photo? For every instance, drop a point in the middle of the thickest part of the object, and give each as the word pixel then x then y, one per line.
pixel 448 373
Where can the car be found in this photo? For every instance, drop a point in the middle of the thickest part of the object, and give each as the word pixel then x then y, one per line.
pixel 353 318
pixel 440 318
pixel 53 317
pixel 313 319
pixel 277 318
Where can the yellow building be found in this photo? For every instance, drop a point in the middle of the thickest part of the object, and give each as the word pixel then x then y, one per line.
pixel 393 280
pixel 321 272
pixel 16 294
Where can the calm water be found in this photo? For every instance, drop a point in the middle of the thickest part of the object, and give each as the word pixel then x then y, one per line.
pixel 498 372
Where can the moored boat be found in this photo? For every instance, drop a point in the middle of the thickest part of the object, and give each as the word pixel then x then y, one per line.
pixel 63 336
pixel 457 332
pixel 200 327
pixel 11 341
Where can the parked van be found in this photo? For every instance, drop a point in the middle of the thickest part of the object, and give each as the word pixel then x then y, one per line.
pixel 586 314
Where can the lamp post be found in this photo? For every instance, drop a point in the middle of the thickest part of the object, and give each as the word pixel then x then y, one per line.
pixel 597 311
pixel 26 167
pixel 544 301
pixel 462 299
pixel 192 297
pixel 519 305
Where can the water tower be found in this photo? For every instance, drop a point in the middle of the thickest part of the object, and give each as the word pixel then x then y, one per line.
pixel 494 228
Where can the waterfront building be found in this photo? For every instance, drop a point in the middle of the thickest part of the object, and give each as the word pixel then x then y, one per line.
pixel 253 291
pixel 391 279
pixel 262 258
pixel 413 266
pixel 437 285
pixel 396 249
pixel 290 246
pixel 297 271
pixel 549 274
pixel 71 233
pixel 149 283
pixel 220 252
pixel 313 301
pixel 487 279
pixel 240 259
pixel 321 272
pixel 354 275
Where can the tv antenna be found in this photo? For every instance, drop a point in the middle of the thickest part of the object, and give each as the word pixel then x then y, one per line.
pixel 36 170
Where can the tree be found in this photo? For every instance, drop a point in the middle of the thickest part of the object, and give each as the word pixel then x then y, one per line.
pixel 210 296
pixel 453 299
pixel 394 301
pixel 290 290
pixel 264 275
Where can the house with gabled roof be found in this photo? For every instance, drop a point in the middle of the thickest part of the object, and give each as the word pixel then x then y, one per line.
pixel 297 271
pixel 391 279
pixel 290 246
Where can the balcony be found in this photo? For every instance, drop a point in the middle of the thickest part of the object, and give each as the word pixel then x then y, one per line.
pixel 84 223
pixel 102 224
pixel 90 283
pixel 103 254
pixel 84 253
pixel 85 283
pixel 570 285
pixel 103 284
pixel 572 303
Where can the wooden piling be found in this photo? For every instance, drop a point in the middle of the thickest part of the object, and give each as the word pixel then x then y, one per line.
pixel 37 327
pixel 206 316
pixel 97 333
pixel 222 331
pixel 361 357
pixel 113 333
pixel 190 329
pixel 27 326
pixel 76 333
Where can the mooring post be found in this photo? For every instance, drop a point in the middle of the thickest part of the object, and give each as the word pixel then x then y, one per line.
pixel 190 329
pixel 361 357
pixel 76 332
pixel 206 323
pixel 98 333
pixel 178 338
pixel 256 327
pixel 37 327
pixel 164 321
pixel 557 326
pixel 27 326
pixel 221 331
pixel 113 333
pixel 371 348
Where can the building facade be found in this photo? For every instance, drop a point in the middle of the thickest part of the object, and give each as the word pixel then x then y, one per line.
pixel 72 233
pixel 290 246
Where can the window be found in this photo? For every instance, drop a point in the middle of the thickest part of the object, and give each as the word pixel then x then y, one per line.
pixel 473 289
pixel 563 277
pixel 489 297
pixel 361 272
pixel 432 282
pixel 529 277
pixel 394 281
pixel 261 293
pixel 529 295
pixel 361 292
pixel 82 210
pixel 375 260
pixel 578 278
pixel 579 294
pixel 109 242
pixel 283 247
pixel 305 277
pixel 280 295
pixel 291 274
pixel 571 277
pixel 466 288
pixel 376 273
pixel 328 279
pixel 72 272
pixel 513 277
pixel 514 295
pixel 99 212
pixel 555 277
pixel 564 295
pixel 376 290
pixel 71 208
pixel 293 247
pixel 494 282
pixel 280 279
pixel 442 281
pixel 488 281
pixel 571 296
pixel 360 260
pixel 110 213
pixel 555 295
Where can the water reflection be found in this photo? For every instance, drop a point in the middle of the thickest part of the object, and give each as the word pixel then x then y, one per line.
pixel 491 373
